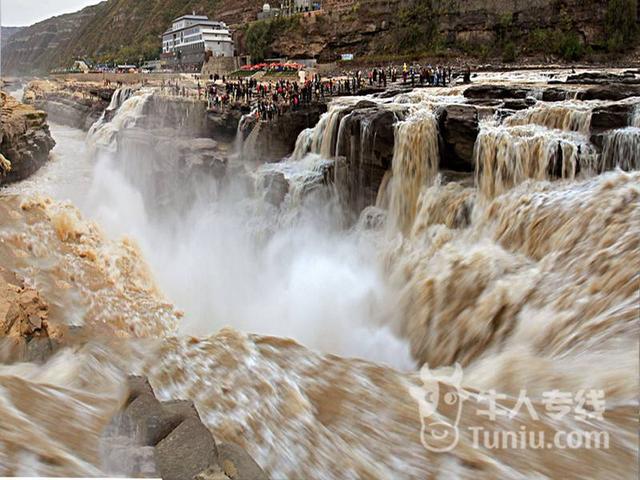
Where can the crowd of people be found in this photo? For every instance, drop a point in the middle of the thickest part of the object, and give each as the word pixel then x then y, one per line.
pixel 269 99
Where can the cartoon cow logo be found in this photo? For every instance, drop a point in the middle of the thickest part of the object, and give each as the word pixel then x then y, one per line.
pixel 440 404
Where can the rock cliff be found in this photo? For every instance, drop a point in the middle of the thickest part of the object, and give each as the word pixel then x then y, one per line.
pixel 126 30
pixel 78 106
pixel 25 141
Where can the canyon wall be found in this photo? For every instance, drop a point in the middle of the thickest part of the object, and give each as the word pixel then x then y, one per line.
pixel 125 30
pixel 25 141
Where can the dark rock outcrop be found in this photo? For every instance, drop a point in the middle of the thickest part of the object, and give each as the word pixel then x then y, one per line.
pixel 610 117
pixel 602 78
pixel 224 125
pixel 364 161
pixel 495 92
pixel 612 91
pixel 554 95
pixel 606 118
pixel 459 128
pixel 25 140
pixel 275 139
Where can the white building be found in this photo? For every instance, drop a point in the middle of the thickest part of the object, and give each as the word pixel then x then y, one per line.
pixel 191 34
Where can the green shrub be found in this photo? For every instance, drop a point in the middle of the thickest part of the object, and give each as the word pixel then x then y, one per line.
pixel 509 52
pixel 261 35
pixel 621 24
pixel 417 28
pixel 562 43
pixel 569 46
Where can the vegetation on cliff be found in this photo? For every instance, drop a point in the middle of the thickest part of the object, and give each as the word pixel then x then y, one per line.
pixel 127 31
pixel 621 24
pixel 260 35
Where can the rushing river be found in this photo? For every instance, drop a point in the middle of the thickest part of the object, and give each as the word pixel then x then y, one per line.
pixel 525 282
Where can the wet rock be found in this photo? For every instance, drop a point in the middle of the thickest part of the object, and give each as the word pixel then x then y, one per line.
pixel 275 139
pixel 554 95
pixel 613 91
pixel 364 160
pixel 151 421
pixel 138 386
pixel 519 104
pixel 237 464
pixel 609 117
pixel 25 140
pixel 223 124
pixel 459 130
pixel 186 452
pixel 372 218
pixel 602 78
pixel 276 188
pixel 493 92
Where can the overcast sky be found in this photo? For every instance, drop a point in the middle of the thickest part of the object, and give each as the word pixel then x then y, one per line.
pixel 27 12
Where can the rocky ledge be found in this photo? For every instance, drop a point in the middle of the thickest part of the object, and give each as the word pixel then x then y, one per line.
pixel 25 140
pixel 78 105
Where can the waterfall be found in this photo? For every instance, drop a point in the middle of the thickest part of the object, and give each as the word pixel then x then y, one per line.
pixel 304 143
pixel 323 138
pixel 120 96
pixel 621 149
pixel 566 116
pixel 415 164
pixel 103 134
pixel 507 156
pixel 238 145
pixel 635 116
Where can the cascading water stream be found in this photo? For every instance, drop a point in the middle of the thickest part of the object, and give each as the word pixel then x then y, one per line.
pixel 507 156
pixel 103 134
pixel 533 287
pixel 414 167
pixel 566 116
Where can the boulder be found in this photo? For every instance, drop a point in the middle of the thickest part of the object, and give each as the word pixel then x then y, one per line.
pixel 187 451
pixel 237 464
pixel 459 129
pixel 152 422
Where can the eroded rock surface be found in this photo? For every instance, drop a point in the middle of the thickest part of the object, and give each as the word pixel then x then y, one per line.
pixel 77 105
pixel 25 140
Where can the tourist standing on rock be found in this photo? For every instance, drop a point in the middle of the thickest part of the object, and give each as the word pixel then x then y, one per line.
pixel 467 74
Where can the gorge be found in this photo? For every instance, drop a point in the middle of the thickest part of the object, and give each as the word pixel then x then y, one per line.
pixel 298 280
